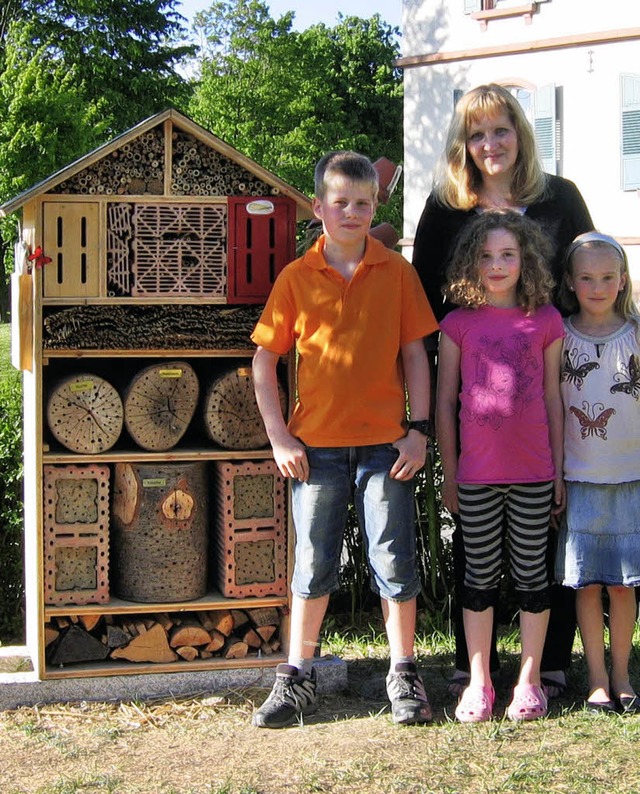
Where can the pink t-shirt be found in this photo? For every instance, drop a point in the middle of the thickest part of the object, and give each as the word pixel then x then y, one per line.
pixel 504 431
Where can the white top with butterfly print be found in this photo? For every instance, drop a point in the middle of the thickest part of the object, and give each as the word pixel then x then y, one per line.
pixel 600 385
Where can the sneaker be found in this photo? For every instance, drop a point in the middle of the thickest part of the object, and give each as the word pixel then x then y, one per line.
pixel 409 704
pixel 292 696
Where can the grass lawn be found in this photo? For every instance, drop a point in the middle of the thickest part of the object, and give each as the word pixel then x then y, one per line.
pixel 207 745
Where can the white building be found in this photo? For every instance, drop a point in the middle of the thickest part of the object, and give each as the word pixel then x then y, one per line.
pixel 575 65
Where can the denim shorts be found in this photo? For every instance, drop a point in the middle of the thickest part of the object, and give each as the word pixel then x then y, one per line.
pixel 338 477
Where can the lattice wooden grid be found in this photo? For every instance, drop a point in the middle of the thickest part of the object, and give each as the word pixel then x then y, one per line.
pixel 179 250
pixel 76 534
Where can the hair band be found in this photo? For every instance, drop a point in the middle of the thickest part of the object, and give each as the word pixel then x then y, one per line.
pixel 595 237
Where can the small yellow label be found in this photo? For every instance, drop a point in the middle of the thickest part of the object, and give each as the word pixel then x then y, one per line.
pixel 154 482
pixel 170 373
pixel 244 372
pixel 81 385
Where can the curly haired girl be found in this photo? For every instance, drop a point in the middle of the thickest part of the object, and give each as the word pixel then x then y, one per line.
pixel 499 361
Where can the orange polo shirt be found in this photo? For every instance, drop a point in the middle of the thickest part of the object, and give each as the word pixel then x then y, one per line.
pixel 348 335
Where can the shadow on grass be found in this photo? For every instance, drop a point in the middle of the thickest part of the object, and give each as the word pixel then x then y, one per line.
pixel 366 694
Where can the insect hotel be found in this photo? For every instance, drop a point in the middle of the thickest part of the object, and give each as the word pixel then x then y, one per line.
pixel 156 520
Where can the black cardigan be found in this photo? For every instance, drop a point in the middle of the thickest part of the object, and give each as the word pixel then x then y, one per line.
pixel 561 212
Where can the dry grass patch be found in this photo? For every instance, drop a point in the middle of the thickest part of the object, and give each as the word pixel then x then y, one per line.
pixel 206 745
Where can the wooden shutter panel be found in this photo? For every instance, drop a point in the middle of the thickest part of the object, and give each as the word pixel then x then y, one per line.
pixel 262 240
pixel 544 125
pixel 71 240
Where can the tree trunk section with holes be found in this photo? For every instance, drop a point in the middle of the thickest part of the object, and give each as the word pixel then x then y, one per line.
pixel 231 414
pixel 159 538
pixel 85 413
pixel 159 404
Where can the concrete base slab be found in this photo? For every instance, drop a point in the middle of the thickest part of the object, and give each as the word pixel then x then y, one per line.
pixel 24 689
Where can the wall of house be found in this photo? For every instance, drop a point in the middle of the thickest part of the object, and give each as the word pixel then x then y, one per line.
pixel 588 79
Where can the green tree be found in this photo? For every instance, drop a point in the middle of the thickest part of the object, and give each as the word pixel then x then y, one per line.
pixel 125 54
pixel 45 123
pixel 74 73
pixel 285 98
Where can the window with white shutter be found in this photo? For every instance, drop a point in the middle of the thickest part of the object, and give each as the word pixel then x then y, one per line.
pixel 630 131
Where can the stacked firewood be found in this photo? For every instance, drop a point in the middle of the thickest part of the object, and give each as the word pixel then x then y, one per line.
pixel 162 637
pixel 195 327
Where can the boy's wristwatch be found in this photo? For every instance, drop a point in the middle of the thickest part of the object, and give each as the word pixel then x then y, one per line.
pixel 421 425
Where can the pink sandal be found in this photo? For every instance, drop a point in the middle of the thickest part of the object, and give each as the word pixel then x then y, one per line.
pixel 529 703
pixel 476 704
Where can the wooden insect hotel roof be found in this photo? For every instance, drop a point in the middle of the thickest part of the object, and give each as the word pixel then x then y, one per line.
pixel 165 155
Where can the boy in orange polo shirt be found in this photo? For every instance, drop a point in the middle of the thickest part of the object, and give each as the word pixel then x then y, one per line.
pixel 357 315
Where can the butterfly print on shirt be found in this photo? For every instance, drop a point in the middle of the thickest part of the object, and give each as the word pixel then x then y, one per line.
pixel 590 424
pixel 632 385
pixel 576 370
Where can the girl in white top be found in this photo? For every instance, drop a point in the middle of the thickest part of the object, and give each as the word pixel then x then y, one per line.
pixel 599 540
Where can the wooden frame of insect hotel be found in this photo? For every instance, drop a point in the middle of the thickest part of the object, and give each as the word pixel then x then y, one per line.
pixel 157 530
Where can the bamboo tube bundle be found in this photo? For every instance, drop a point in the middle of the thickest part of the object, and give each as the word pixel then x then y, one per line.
pixel 231 414
pixel 159 404
pixel 129 169
pixel 85 414
pixel 197 169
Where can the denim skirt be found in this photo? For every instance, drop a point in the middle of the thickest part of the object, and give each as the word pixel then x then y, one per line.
pixel 599 540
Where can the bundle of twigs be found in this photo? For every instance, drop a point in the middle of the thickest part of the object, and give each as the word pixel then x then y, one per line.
pixel 194 327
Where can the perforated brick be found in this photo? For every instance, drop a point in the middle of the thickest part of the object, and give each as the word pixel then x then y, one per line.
pixel 76 534
pixel 250 533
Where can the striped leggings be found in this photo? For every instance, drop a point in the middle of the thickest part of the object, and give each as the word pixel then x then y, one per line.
pixel 489 514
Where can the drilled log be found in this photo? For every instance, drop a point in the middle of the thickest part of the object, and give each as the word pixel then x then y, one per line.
pixel 159 404
pixel 231 414
pixel 85 413
pixel 159 538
